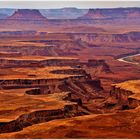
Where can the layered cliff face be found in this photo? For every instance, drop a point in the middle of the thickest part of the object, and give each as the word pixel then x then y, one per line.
pixel 41 80
pixel 37 61
pixel 52 79
pixel 126 94
pixel 55 45
pixel 111 38
pixel 105 125
pixel 38 108
pixel 72 44
pixel 91 126
pixel 42 104
pixel 58 74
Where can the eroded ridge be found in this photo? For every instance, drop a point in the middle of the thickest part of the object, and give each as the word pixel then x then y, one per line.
pixel 37 109
pixel 127 93
pixel 38 92
pixel 70 78
pixel 90 124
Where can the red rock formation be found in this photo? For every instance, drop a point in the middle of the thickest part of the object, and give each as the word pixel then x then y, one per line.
pixel 126 97
pixel 93 38
pixel 38 117
pixel 26 14
pixel 112 13
pixel 93 14
pixel 19 62
pixel 25 19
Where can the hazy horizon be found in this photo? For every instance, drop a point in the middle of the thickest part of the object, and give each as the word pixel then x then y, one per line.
pixel 67 4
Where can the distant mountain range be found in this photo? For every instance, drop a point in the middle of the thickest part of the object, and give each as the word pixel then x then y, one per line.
pixel 33 18
pixel 74 13
pixel 112 13
pixel 63 13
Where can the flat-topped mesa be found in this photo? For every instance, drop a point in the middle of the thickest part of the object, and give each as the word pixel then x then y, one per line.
pixel 27 14
pixel 112 13
pixel 127 93
pixel 93 14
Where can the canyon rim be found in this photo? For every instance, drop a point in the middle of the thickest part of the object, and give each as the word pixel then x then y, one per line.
pixel 70 71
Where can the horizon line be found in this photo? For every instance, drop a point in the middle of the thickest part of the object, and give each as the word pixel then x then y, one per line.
pixel 66 8
pixel 68 4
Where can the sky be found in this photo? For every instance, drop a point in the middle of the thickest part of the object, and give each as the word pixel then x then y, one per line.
pixel 68 3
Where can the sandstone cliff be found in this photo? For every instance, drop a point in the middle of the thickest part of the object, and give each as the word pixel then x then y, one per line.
pixel 127 94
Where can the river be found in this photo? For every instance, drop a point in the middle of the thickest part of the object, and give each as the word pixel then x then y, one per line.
pixel 124 59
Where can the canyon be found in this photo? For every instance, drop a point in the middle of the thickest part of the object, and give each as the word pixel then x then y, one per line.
pixel 105 125
pixel 70 78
